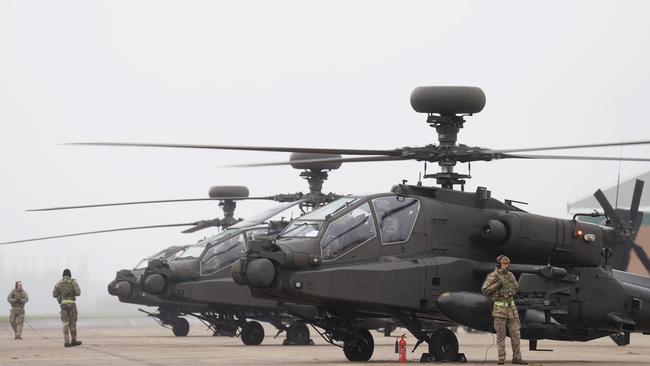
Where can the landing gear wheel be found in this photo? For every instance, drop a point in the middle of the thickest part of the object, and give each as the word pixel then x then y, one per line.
pixel 356 350
pixel 298 333
pixel 443 345
pixel 252 333
pixel 180 327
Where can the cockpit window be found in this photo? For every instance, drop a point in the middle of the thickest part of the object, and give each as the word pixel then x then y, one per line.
pixel 348 231
pixel 194 251
pixel 165 253
pixel 304 228
pixel 223 254
pixel 396 216
pixel 252 234
pixel 309 225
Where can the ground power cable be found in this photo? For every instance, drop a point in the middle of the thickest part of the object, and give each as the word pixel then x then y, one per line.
pixel 37 332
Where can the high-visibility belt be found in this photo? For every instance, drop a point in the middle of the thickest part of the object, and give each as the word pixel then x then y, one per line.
pixel 504 304
pixel 67 302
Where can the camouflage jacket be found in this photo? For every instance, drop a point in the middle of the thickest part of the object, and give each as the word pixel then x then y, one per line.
pixel 66 290
pixel 18 298
pixel 500 286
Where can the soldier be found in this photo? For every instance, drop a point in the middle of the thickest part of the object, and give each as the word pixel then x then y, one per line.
pixel 17 298
pixel 501 286
pixel 66 292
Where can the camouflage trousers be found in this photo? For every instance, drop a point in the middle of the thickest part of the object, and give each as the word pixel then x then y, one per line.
pixel 69 319
pixel 511 320
pixel 17 318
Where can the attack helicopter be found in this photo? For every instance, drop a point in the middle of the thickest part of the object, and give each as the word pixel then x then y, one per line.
pixel 201 274
pixel 350 259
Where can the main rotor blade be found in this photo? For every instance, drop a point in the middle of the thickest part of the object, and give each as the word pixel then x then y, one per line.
pixel 393 152
pixel 642 255
pixel 572 146
pixel 636 200
pixel 607 207
pixel 570 157
pixel 98 232
pixel 327 160
pixel 149 202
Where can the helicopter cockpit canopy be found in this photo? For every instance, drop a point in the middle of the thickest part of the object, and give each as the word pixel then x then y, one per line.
pixel 348 223
pixel 310 224
pixel 165 253
pixel 194 251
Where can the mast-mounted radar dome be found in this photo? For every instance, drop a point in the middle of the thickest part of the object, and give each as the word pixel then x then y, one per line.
pixel 228 191
pixel 316 165
pixel 448 100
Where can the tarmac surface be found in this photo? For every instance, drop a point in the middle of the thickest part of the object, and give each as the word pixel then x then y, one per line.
pixel 140 342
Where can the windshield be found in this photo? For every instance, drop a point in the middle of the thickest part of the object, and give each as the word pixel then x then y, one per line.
pixel 396 216
pixel 347 232
pixel 195 250
pixel 223 254
pixel 310 224
pixel 165 253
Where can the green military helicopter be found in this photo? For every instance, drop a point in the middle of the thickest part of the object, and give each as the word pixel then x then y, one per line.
pixel 352 258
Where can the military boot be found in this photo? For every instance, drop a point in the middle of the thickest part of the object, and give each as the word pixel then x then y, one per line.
pixel 519 362
pixel 76 343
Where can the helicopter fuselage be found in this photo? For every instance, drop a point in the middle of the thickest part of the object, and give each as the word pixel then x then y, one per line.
pixel 433 267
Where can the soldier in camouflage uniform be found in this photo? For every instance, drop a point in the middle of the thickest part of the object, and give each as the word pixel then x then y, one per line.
pixel 17 298
pixel 66 292
pixel 501 286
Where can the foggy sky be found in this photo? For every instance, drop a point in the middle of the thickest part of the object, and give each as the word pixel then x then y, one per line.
pixel 287 73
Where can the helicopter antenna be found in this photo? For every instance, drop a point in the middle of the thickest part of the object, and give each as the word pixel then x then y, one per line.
pixel 618 179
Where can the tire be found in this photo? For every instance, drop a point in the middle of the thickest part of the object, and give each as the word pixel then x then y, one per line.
pixel 181 327
pixel 298 333
pixel 443 345
pixel 252 333
pixel 355 350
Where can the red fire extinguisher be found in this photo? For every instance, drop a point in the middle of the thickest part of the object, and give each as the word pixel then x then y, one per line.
pixel 402 349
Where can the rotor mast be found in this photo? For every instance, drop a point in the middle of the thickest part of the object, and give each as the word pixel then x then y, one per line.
pixel 447 127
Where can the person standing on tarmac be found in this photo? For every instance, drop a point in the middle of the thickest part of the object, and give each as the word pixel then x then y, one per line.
pixel 501 286
pixel 17 298
pixel 66 292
